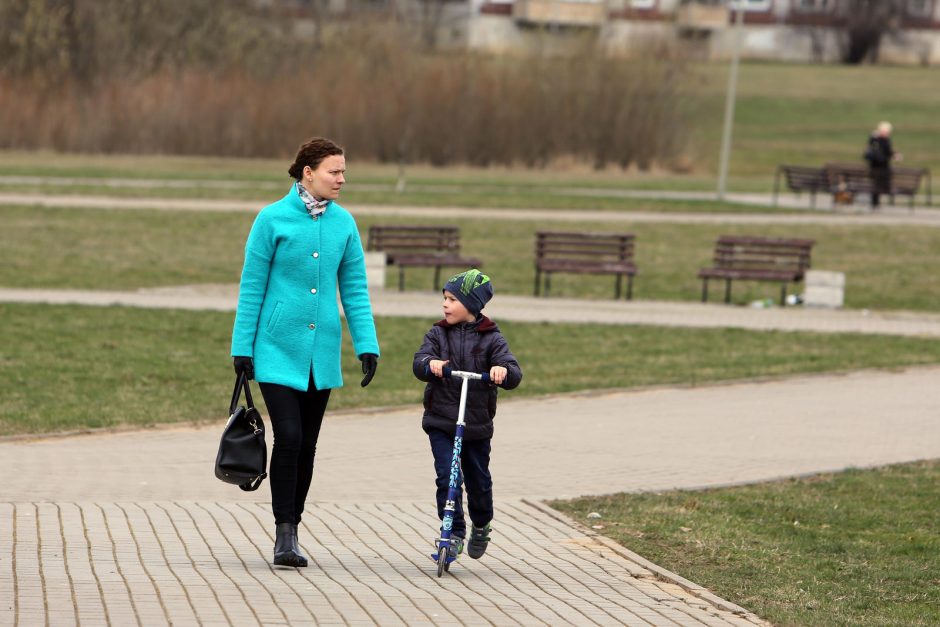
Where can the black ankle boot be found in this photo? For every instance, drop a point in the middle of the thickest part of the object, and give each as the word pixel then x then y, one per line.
pixel 296 546
pixel 285 541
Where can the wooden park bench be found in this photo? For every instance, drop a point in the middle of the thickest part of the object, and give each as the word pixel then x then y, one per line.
pixel 800 179
pixel 420 246
pixel 856 179
pixel 745 258
pixel 584 253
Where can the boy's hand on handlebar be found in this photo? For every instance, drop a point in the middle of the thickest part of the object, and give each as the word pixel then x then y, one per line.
pixel 498 374
pixel 437 366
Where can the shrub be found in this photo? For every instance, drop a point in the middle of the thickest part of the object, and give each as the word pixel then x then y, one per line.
pixel 206 79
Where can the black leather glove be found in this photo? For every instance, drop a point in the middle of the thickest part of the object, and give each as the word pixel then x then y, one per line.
pixel 369 362
pixel 246 365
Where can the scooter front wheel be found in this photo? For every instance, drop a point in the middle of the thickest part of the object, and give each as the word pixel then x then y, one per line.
pixel 442 559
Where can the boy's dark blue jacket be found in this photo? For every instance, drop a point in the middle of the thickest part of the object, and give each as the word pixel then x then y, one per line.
pixel 474 347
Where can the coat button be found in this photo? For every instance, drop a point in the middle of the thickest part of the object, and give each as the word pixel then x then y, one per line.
pixel 312 326
pixel 316 255
pixel 313 291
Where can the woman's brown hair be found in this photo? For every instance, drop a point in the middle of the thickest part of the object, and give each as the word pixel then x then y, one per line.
pixel 312 153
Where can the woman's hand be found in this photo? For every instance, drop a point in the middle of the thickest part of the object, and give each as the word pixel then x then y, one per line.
pixel 370 362
pixel 498 374
pixel 246 365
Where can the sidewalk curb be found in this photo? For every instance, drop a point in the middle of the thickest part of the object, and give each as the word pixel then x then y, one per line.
pixel 660 572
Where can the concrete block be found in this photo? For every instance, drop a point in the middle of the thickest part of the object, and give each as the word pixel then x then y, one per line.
pixel 824 289
pixel 824 278
pixel 375 269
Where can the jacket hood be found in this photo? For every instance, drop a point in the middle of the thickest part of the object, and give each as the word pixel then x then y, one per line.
pixel 481 324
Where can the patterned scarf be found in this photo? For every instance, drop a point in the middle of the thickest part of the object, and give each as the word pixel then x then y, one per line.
pixel 314 207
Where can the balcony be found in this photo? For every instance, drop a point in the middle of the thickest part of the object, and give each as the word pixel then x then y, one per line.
pixel 583 13
pixel 701 16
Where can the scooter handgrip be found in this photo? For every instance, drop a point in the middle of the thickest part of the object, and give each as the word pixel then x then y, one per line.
pixel 486 377
pixel 446 371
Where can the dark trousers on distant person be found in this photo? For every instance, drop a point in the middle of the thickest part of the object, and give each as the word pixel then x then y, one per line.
pixel 881 184
pixel 475 464
pixel 296 418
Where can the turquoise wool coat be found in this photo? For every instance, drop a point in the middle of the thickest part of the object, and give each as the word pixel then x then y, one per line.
pixel 288 318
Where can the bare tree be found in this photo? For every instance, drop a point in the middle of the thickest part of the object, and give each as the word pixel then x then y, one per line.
pixel 866 24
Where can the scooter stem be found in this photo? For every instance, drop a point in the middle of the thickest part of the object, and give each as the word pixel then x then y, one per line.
pixel 463 400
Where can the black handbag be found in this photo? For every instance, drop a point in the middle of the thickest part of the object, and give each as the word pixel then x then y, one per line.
pixel 243 456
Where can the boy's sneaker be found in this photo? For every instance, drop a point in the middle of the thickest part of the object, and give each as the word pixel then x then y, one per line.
pixel 456 546
pixel 479 538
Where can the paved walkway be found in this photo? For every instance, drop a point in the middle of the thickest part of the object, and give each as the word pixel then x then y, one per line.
pixel 796 210
pixel 387 302
pixel 132 528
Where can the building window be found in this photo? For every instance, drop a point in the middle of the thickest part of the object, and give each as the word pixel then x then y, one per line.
pixel 814 6
pixel 920 8
pixel 751 5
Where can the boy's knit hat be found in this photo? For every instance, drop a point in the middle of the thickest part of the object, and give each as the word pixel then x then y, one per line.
pixel 472 288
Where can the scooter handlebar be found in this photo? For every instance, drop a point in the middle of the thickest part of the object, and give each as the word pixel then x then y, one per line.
pixel 450 372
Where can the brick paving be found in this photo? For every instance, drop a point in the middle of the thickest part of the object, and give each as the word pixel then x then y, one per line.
pixel 203 563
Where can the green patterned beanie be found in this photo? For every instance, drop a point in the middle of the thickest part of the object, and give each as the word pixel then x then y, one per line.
pixel 472 288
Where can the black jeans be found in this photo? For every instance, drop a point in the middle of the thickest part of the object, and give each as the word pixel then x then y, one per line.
pixel 475 468
pixel 295 419
pixel 881 184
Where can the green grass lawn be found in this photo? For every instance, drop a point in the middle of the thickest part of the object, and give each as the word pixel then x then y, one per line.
pixel 74 367
pixel 854 548
pixel 887 267
pixel 811 114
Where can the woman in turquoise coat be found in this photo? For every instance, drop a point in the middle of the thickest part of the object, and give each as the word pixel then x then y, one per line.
pixel 287 334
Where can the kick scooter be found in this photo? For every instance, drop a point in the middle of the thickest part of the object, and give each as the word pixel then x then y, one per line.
pixel 444 555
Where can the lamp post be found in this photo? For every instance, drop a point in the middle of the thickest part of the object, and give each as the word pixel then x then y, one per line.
pixel 729 98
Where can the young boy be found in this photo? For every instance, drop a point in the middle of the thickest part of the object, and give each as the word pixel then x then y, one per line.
pixel 465 340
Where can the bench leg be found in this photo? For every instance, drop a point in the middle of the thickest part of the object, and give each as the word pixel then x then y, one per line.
pixel 437 278
pixel 619 283
pixel 629 287
pixel 776 185
pixel 783 295
pixel 727 291
pixel 538 280
pixel 705 290
pixel 401 278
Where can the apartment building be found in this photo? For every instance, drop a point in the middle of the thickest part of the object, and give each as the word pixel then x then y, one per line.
pixel 784 30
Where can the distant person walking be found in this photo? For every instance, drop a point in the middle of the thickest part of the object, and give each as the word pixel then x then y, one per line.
pixel 287 331
pixel 879 156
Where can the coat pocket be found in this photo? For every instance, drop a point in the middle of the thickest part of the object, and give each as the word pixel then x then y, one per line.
pixel 275 315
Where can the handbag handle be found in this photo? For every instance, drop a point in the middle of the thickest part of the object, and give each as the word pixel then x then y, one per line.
pixel 241 383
